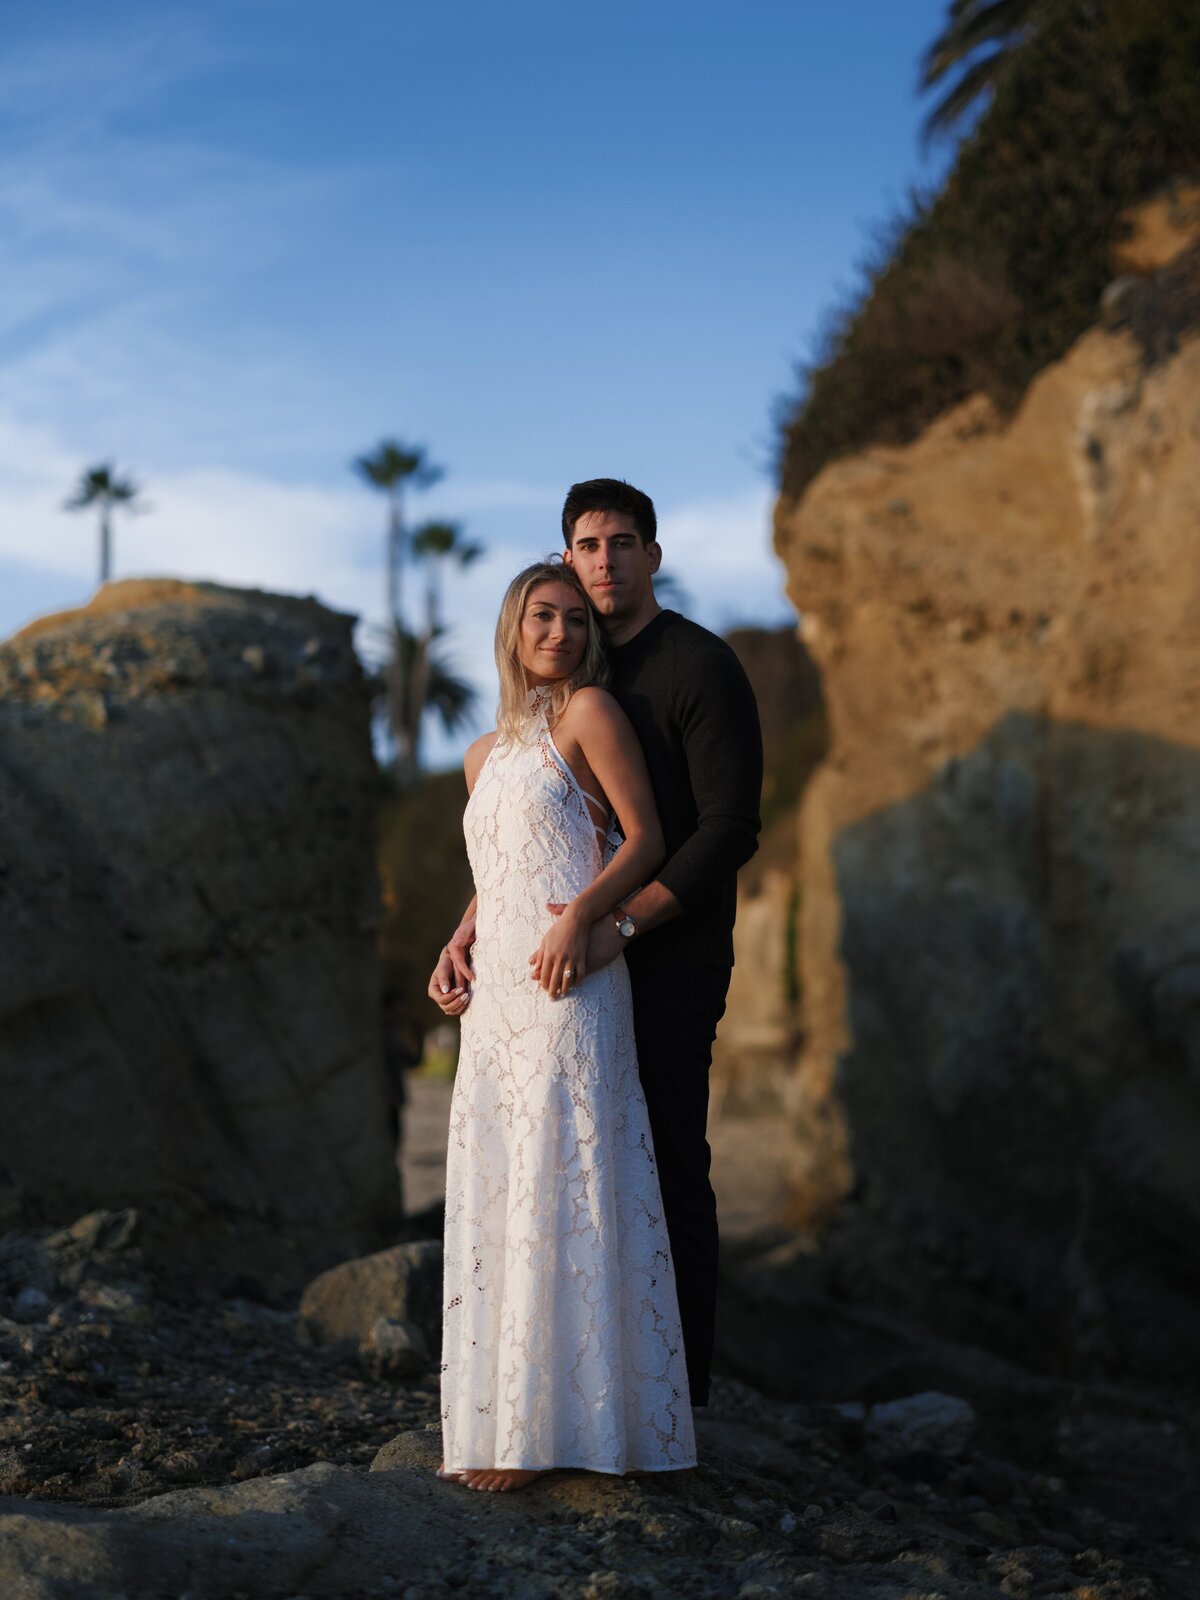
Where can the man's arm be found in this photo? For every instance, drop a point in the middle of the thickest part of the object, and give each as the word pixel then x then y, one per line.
pixel 648 907
pixel 718 718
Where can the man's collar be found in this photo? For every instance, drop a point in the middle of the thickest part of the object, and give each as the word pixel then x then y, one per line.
pixel 646 634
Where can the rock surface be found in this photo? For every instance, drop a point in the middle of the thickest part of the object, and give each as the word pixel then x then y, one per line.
pixel 1000 926
pixel 189 1016
pixel 759 1032
pixel 402 1283
pixel 205 1451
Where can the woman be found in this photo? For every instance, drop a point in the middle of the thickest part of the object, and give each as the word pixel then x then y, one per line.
pixel 561 1338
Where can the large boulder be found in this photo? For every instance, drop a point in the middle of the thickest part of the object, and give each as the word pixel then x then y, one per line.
pixel 189 1012
pixel 996 1109
pixel 401 1285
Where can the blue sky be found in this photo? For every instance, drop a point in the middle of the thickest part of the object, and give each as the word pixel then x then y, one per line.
pixel 241 242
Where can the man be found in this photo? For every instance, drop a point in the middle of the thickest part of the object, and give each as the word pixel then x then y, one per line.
pixel 694 712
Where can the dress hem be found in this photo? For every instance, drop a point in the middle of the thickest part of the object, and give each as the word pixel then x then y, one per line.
pixel 575 1466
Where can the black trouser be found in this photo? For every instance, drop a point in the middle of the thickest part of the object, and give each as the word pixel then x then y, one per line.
pixel 675 1016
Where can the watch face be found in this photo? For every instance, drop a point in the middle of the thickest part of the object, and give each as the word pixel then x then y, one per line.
pixel 627 927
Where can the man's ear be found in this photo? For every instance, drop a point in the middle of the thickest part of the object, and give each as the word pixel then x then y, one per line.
pixel 654 555
pixel 568 557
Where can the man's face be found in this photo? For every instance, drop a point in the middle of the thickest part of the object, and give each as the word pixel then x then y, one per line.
pixel 613 564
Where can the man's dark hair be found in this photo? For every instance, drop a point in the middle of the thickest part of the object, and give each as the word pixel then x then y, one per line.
pixel 609 494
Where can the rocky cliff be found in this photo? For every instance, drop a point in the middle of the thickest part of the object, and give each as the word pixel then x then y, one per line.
pixel 998 1104
pixel 758 1033
pixel 189 1015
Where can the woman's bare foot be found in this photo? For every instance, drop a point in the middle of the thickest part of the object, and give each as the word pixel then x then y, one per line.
pixel 500 1478
pixel 448 1477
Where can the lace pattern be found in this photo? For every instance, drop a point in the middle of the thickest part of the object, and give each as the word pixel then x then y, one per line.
pixel 561 1336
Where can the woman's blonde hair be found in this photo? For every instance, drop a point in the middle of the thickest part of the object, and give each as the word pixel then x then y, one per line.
pixel 512 715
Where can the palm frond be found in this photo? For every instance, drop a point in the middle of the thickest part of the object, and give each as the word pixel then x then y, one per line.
pixel 975 25
pixel 435 538
pixel 100 485
pixel 1002 28
pixel 952 107
pixel 393 463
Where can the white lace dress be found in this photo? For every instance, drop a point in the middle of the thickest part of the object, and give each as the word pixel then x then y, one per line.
pixel 561 1337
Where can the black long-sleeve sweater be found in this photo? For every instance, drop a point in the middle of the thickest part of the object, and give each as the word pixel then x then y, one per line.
pixel 694 712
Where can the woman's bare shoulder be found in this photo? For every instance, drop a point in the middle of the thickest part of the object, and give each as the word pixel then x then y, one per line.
pixel 594 718
pixel 477 754
pixel 593 701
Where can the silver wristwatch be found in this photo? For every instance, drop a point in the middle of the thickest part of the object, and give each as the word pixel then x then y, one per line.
pixel 626 926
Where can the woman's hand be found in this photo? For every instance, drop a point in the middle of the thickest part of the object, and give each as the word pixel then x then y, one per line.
pixel 560 961
pixel 453 998
pixel 450 983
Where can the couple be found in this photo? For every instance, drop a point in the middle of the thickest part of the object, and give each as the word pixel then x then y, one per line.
pixel 581 1228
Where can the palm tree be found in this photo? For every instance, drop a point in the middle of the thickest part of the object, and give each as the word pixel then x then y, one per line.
pixel 100 486
pixel 417 677
pixel 1002 27
pixel 434 544
pixel 392 466
pixel 390 469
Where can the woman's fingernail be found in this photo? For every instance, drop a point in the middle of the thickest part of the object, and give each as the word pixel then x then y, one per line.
pixel 445 988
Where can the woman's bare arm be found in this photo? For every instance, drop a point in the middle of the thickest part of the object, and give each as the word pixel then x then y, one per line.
pixel 605 736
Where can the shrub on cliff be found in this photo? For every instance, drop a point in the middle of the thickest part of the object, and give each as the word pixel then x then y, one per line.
pixel 982 285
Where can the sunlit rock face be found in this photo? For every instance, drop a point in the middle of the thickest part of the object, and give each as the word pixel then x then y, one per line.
pixel 998 1102
pixel 757 1037
pixel 189 1015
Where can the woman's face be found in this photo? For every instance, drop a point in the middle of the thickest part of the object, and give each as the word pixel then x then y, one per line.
pixel 554 631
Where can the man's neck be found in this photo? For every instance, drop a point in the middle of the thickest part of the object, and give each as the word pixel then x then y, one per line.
pixel 621 631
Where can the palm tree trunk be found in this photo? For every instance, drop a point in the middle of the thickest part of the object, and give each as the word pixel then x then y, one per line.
pixel 405 712
pixel 105 545
pixel 418 695
pixel 395 537
pixel 400 686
